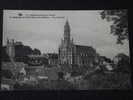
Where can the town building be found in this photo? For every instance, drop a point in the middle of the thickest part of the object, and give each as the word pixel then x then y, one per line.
pixel 37 60
pixel 16 70
pixel 10 49
pixel 72 54
pixel 52 58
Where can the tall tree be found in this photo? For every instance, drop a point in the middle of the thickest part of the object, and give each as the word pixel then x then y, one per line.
pixel 36 52
pixel 119 28
pixel 123 63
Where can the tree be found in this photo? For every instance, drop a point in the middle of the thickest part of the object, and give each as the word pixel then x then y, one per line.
pixel 7 74
pixel 119 27
pixel 123 63
pixel 36 52
pixel 60 75
pixel 22 50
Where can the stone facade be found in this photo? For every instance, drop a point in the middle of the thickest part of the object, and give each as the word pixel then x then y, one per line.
pixel 72 54
pixel 52 58
pixel 37 60
pixel 10 48
pixel 66 48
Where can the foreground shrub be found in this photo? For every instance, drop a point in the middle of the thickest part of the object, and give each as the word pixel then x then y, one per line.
pixel 116 80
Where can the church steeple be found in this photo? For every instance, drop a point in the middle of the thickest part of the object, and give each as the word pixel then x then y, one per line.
pixel 67 31
pixel 67 27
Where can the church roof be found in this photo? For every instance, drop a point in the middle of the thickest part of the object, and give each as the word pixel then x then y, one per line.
pixel 84 48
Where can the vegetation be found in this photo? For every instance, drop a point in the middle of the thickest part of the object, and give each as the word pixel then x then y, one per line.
pixel 124 63
pixel 46 85
pixel 6 74
pixel 116 80
pixel 60 75
pixel 21 52
pixel 119 28
pixel 36 51
pixel 17 86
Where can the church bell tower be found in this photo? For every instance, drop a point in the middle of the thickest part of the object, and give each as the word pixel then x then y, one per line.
pixel 66 47
pixel 67 32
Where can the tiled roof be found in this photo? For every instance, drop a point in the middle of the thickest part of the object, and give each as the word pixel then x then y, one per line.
pixel 84 48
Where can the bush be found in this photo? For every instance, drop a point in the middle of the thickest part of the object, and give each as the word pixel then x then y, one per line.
pixel 55 85
pixel 17 86
pixel 116 80
pixel 6 74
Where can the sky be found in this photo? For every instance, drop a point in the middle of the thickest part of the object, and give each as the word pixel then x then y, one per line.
pixel 44 30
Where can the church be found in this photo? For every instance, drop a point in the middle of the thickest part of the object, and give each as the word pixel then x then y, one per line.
pixel 72 54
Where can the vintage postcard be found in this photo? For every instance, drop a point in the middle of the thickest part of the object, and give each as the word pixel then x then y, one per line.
pixel 65 50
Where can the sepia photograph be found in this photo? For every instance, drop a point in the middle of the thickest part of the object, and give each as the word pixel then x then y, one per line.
pixel 65 50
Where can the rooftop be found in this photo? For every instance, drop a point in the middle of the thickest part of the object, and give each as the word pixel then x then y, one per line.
pixel 52 55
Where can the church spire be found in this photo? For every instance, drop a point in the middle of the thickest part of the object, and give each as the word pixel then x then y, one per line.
pixel 67 31
pixel 67 26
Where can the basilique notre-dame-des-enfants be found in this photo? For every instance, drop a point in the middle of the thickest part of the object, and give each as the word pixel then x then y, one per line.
pixel 69 53
pixel 72 54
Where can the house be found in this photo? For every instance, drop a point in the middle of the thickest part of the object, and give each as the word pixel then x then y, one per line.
pixel 17 70
pixel 36 60
pixel 52 58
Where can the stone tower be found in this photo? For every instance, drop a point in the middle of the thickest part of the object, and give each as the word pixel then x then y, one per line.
pixel 66 47
pixel 67 33
pixel 10 48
